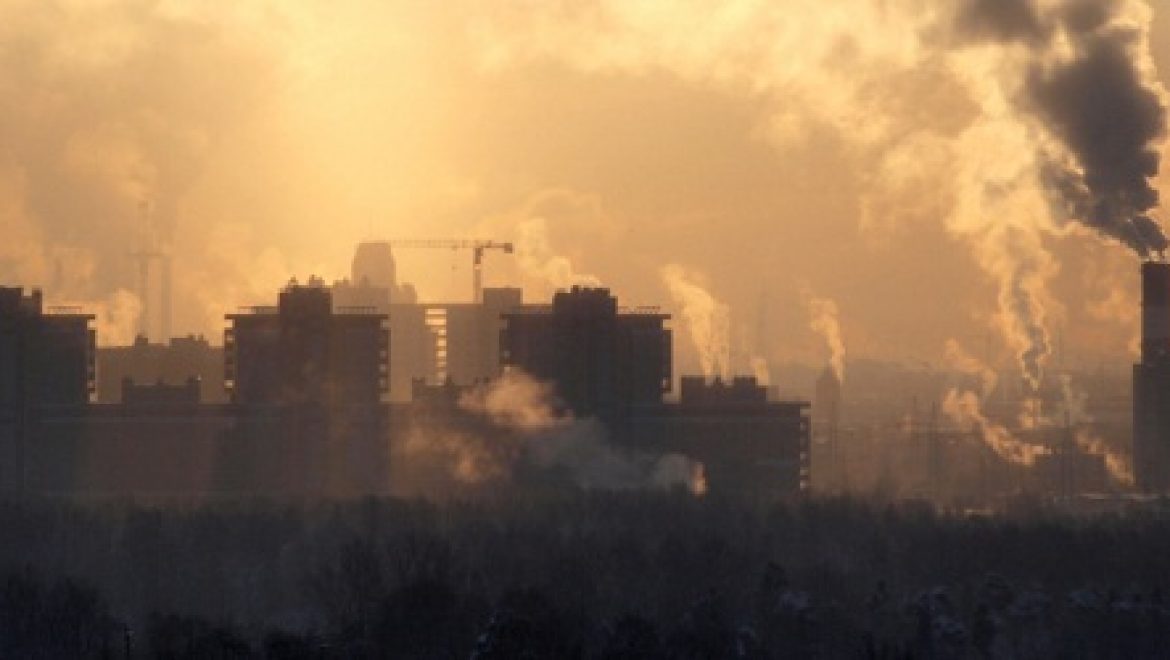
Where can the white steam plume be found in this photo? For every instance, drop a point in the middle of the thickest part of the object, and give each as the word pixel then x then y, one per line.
pixel 708 320
pixel 117 318
pixel 965 407
pixel 1064 112
pixel 761 370
pixel 824 319
pixel 519 404
pixel 464 457
pixel 965 363
pixel 106 105
pixel 538 260
pixel 1073 407
pixel 1072 412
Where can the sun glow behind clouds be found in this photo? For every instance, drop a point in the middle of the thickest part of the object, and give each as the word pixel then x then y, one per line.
pixel 274 135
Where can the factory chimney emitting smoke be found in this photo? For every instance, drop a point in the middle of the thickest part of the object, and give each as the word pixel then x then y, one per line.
pixel 1155 311
pixel 1151 382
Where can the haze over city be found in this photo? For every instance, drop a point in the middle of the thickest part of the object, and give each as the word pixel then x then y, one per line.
pixel 594 328
pixel 872 154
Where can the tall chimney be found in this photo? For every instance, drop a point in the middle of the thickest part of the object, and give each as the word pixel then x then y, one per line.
pixel 144 293
pixel 1155 312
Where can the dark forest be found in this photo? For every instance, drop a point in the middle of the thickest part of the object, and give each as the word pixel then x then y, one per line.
pixel 577 575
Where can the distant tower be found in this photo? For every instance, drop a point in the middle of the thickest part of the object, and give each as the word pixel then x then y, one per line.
pixel 149 253
pixel 373 264
pixel 1151 383
pixel 374 268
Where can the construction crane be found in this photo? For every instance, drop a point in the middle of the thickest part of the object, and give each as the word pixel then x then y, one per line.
pixel 477 249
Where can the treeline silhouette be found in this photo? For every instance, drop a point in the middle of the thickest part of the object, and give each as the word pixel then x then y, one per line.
pixel 576 575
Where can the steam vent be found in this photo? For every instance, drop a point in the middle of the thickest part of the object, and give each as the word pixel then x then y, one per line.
pixel 1151 382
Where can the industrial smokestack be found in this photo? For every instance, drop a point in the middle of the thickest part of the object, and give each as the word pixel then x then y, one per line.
pixel 1155 312
pixel 1151 383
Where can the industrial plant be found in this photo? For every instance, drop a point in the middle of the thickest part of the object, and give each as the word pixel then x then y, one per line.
pixel 356 387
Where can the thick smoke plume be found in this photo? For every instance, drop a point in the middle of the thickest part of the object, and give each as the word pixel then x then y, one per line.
pixel 1086 81
pixel 708 320
pixel 1094 92
pixel 526 427
pixel 824 319
pixel 965 407
pixel 1063 124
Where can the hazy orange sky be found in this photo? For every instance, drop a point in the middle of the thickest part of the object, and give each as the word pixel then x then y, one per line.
pixel 773 150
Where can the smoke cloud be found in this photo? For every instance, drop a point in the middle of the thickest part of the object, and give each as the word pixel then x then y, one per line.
pixel 465 458
pixel 824 320
pixel 535 431
pixel 965 407
pixel 106 106
pixel 117 319
pixel 1085 83
pixel 518 402
pixel 1075 412
pixel 538 260
pixel 980 116
pixel 1098 97
pixel 965 363
pixel 1063 124
pixel 708 320
pixel 761 370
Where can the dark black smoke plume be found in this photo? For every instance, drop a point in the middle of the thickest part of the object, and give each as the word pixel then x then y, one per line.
pixel 1000 21
pixel 1097 104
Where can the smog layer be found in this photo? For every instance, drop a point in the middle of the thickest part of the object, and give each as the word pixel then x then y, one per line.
pixel 870 152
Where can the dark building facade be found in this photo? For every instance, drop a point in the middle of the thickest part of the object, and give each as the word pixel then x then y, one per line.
pixel 48 353
pixel 1151 383
pixel 601 360
pixel 46 366
pixel 615 365
pixel 172 363
pixel 745 441
pixel 373 284
pixel 303 351
pixel 307 384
